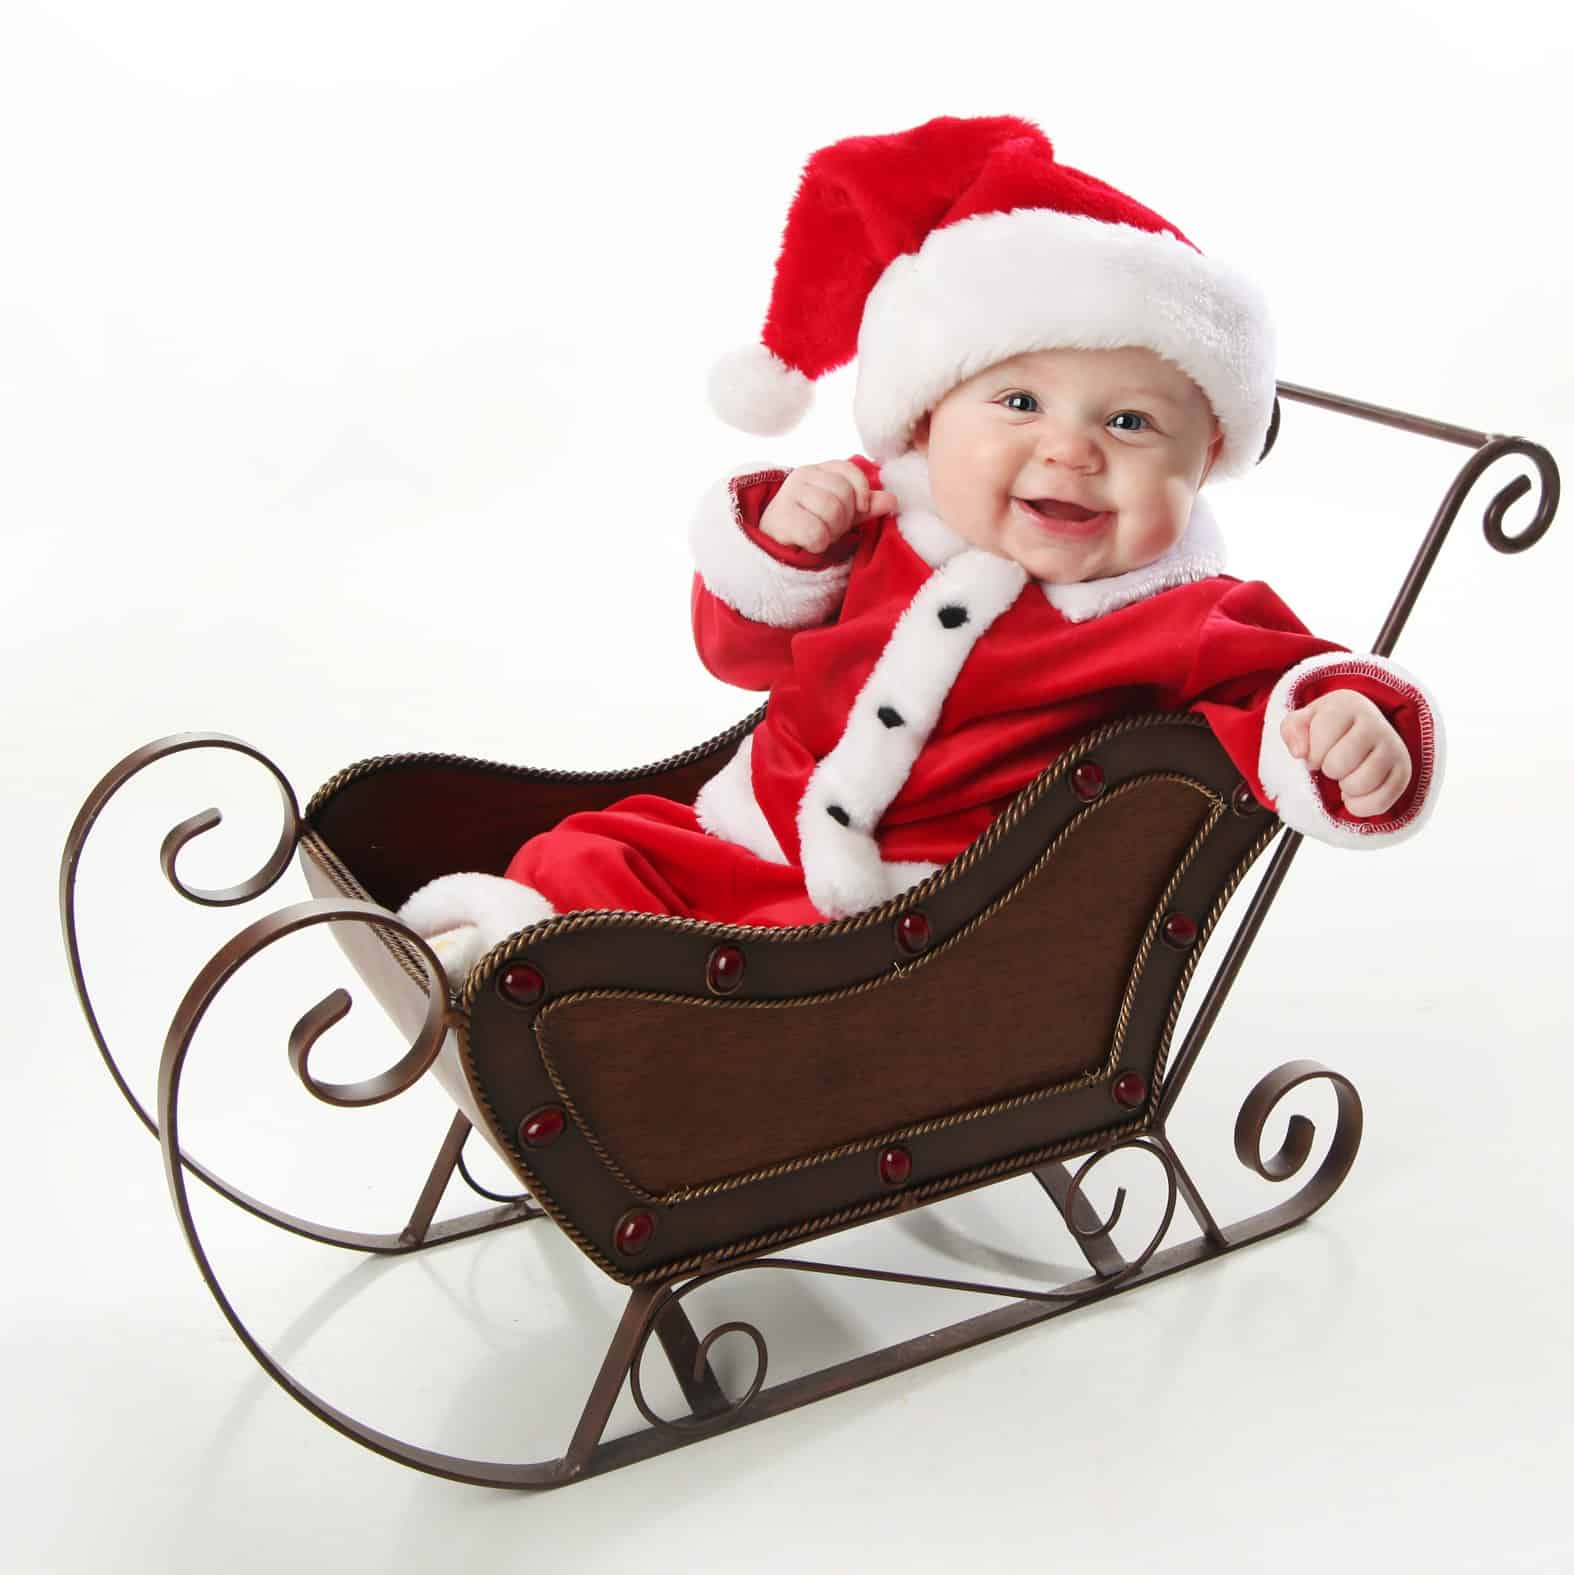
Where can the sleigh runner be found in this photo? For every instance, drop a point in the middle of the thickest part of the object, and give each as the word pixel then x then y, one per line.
pixel 684 1099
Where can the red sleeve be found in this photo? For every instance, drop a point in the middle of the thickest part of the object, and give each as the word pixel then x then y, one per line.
pixel 1244 680
pixel 734 648
pixel 745 651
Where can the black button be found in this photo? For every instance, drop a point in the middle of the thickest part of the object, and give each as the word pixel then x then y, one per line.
pixel 952 616
pixel 838 814
pixel 890 716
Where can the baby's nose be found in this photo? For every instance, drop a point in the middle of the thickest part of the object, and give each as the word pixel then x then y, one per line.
pixel 1066 446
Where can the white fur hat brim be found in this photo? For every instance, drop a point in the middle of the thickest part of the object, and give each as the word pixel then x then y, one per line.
pixel 1002 284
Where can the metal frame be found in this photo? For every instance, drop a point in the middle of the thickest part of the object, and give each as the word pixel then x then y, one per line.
pixel 658 1309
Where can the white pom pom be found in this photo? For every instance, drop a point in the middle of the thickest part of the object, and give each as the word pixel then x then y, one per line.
pixel 756 391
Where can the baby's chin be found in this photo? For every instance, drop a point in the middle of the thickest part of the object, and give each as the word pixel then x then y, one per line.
pixel 1070 568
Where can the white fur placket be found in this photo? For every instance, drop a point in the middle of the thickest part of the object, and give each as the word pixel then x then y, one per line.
pixel 899 705
pixel 892 718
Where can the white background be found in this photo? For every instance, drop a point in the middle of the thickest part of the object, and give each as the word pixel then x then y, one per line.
pixel 352 370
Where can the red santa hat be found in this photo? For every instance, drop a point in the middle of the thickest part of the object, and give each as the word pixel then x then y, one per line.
pixel 933 253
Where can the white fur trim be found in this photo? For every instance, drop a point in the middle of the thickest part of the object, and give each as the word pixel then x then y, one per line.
pixel 998 284
pixel 906 478
pixel 755 390
pixel 1293 785
pixel 900 874
pixel 865 771
pixel 466 914
pixel 727 808
pixel 748 579
pixel 1198 555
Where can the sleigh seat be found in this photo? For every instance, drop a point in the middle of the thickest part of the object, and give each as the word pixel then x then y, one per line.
pixel 677 1094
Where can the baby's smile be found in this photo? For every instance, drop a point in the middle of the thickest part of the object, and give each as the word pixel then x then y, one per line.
pixel 1058 519
pixel 1055 514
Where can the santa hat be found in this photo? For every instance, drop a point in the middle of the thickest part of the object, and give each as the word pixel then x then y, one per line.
pixel 933 253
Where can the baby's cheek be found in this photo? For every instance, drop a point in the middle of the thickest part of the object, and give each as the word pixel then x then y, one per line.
pixel 1151 535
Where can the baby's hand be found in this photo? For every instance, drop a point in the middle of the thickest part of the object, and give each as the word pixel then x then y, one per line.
pixel 1343 735
pixel 819 504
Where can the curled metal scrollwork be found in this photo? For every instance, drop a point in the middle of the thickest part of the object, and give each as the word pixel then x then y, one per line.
pixel 403 1074
pixel 1470 472
pixel 1546 504
pixel 721 1411
pixel 116 778
pixel 194 826
pixel 715 1415
pixel 1092 1231
pixel 1300 1135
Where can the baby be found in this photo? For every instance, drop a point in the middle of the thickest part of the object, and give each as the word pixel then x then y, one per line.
pixel 1048 373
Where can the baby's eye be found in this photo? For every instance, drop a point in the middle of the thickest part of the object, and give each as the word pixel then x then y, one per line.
pixel 1025 409
pixel 1136 415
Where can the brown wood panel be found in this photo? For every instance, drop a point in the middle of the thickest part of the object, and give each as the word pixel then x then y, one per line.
pixel 687 1092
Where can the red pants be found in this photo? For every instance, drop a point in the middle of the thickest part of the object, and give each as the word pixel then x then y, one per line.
pixel 648 854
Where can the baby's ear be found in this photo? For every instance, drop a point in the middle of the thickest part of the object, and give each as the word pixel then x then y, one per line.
pixel 1215 443
pixel 921 433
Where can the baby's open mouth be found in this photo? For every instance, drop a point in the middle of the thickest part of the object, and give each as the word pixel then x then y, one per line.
pixel 1054 509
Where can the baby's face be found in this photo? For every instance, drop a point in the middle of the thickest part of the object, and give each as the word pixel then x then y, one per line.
pixel 1122 433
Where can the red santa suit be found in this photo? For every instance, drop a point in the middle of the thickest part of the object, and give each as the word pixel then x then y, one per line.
pixel 917 684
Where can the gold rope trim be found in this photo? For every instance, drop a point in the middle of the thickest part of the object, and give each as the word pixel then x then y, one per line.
pixel 827 1224
pixel 1024 802
pixel 894 976
pixel 1205 931
pixel 364 768
pixel 342 877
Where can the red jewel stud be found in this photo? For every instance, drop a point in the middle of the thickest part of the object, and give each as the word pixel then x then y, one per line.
pixel 896 1165
pixel 1180 931
pixel 633 1232
pixel 724 970
pixel 542 1126
pixel 521 985
pixel 1087 780
pixel 1130 1090
pixel 912 933
pixel 1243 801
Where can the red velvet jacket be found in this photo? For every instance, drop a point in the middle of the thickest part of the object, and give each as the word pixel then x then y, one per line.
pixel 1035 680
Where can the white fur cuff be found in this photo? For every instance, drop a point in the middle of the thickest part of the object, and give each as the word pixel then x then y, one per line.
pixel 749 580
pixel 1293 785
pixel 465 915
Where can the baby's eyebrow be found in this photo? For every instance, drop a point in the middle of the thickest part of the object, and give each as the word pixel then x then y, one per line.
pixel 1153 394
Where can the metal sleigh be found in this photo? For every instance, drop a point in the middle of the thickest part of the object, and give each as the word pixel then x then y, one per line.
pixel 683 1099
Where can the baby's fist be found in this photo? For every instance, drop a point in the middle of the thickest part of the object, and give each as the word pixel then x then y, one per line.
pixel 1343 735
pixel 819 504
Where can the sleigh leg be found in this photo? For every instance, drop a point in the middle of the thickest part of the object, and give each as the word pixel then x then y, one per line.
pixel 437 1182
pixel 419 1232
pixel 1189 1193
pixel 689 1362
pixel 1102 1255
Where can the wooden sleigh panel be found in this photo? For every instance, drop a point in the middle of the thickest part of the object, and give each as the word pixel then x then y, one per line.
pixel 677 1093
